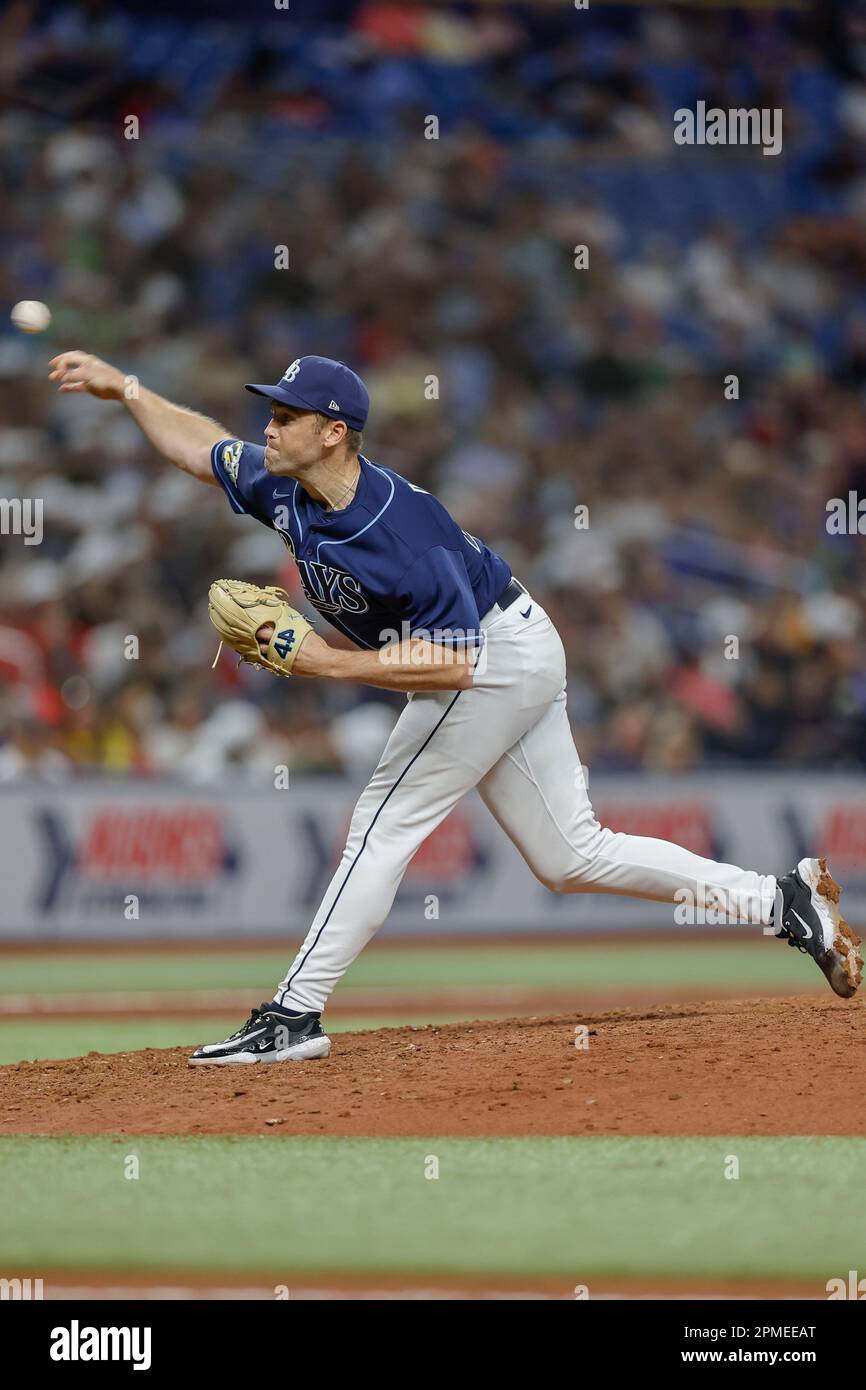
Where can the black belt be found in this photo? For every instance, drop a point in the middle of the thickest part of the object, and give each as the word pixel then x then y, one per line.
pixel 510 594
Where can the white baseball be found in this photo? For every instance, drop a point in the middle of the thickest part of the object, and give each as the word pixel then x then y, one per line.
pixel 31 316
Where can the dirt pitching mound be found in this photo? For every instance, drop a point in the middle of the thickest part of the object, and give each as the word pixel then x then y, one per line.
pixel 755 1066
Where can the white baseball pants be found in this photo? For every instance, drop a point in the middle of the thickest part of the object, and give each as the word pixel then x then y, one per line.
pixel 509 736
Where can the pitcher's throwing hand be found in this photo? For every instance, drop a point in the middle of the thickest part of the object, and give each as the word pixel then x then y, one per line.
pixel 81 371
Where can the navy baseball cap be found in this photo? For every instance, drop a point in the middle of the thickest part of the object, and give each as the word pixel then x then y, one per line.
pixel 321 384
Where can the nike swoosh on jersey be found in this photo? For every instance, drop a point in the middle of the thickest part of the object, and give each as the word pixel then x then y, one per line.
pixel 279 495
pixel 527 613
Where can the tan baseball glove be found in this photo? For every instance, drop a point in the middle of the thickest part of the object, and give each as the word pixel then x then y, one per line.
pixel 238 610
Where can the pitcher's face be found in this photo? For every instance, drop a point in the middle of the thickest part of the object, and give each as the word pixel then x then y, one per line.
pixel 293 440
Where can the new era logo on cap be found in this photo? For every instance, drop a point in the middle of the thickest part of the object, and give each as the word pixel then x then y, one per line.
pixel 314 383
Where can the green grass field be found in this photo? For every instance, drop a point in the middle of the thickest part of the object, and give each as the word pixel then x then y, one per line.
pixel 754 963
pixel 34 1039
pixel 293 1208
pixel 579 1209
pixel 750 968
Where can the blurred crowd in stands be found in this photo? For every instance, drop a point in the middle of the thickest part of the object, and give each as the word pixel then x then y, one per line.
pixel 698 388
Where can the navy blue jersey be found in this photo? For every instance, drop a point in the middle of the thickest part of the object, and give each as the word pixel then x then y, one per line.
pixel 392 564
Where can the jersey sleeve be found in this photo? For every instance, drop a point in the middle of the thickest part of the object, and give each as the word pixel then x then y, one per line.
pixel 438 601
pixel 240 470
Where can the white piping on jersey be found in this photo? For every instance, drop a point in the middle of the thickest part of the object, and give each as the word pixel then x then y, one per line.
pixel 369 523
pixel 331 618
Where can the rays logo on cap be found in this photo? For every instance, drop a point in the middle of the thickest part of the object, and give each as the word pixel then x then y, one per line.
pixel 325 383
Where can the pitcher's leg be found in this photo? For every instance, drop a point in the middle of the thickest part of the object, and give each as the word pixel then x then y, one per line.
pixel 390 821
pixel 538 795
pixel 440 748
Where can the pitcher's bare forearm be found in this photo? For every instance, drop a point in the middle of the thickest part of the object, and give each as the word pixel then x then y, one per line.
pixel 182 436
pixel 405 666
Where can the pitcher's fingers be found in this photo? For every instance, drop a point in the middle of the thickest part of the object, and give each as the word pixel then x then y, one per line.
pixel 72 373
pixel 64 370
pixel 72 358
pixel 73 386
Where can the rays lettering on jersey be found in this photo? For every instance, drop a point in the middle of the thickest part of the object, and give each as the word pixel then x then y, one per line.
pixel 286 538
pixel 331 590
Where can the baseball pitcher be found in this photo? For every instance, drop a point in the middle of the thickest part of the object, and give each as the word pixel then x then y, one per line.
pixel 431 611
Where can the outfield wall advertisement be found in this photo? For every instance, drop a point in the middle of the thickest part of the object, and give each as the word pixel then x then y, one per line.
pixel 144 860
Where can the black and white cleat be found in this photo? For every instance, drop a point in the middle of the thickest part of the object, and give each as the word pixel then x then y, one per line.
pixel 269 1035
pixel 807 913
